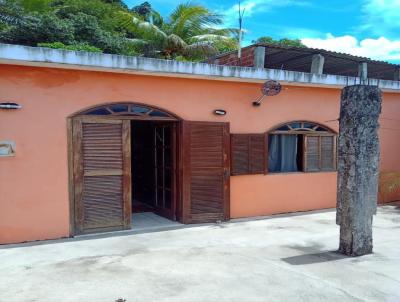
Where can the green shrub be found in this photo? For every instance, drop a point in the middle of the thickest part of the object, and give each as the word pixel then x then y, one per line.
pixel 38 28
pixel 78 46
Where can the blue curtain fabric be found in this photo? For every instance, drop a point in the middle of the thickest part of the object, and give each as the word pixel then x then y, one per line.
pixel 282 153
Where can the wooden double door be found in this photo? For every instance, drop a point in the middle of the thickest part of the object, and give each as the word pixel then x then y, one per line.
pixel 101 180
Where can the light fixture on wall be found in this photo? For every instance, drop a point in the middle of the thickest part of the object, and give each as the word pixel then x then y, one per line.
pixel 269 88
pixel 9 105
pixel 219 112
pixel 7 148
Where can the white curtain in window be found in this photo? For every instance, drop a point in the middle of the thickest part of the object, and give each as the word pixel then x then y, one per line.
pixel 282 153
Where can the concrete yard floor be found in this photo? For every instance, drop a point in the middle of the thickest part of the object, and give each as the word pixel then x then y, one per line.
pixel 283 258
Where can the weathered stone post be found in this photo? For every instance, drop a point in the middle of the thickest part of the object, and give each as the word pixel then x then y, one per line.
pixel 358 167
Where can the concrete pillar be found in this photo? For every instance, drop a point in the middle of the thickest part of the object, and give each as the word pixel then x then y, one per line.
pixel 259 57
pixel 358 167
pixel 317 64
pixel 397 74
pixel 363 72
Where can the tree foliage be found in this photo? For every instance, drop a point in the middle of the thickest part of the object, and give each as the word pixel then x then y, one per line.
pixel 78 46
pixel 70 22
pixel 37 28
pixel 190 32
pixel 281 42
pixel 144 10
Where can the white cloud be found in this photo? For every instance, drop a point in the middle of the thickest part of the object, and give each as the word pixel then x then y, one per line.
pixel 381 17
pixel 378 49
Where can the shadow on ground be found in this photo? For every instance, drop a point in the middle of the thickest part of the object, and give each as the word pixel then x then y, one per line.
pixel 320 257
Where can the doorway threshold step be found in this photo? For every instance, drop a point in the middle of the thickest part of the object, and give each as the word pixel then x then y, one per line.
pixel 148 221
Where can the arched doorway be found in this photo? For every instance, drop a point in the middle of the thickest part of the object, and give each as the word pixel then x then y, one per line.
pixel 124 156
pixel 124 160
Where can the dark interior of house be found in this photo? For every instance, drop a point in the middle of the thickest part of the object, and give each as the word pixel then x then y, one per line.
pixel 300 150
pixel 143 163
pixel 151 146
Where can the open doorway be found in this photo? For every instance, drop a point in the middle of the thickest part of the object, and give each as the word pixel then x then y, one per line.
pixel 123 159
pixel 153 171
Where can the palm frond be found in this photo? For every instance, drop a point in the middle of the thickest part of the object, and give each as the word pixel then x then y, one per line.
pixel 146 29
pixel 157 19
pixel 200 50
pixel 190 19
pixel 175 43
pixel 229 32
pixel 209 38
pixel 221 43
pixel 137 42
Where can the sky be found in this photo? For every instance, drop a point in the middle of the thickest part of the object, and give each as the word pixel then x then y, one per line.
pixel 368 28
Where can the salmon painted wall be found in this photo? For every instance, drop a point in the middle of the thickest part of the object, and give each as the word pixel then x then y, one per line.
pixel 34 183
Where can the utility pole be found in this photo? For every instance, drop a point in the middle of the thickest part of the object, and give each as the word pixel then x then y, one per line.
pixel 241 14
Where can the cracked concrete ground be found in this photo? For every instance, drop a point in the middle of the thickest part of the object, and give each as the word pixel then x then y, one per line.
pixel 284 258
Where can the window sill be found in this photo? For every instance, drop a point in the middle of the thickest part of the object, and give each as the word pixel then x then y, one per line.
pixel 301 172
pixel 286 173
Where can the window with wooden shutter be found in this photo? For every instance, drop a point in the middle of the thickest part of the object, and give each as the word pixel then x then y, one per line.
pixel 320 153
pixel 302 146
pixel 248 154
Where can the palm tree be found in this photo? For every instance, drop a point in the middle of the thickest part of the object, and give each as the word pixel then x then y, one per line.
pixel 190 31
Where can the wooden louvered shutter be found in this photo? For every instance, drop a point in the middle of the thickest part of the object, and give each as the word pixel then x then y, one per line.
pixel 328 153
pixel 205 172
pixel 248 153
pixel 102 177
pixel 311 153
pixel 258 153
pixel 319 153
pixel 239 154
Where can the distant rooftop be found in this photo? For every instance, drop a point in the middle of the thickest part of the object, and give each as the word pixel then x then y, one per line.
pixel 301 59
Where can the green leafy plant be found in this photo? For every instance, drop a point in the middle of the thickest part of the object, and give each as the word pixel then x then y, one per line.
pixel 281 42
pixel 36 28
pixel 79 46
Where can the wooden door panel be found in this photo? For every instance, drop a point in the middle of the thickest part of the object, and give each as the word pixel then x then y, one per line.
pixel 101 198
pixel 101 174
pixel 205 172
pixel 165 140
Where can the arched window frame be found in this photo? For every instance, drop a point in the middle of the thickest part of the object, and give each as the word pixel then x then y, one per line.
pixel 127 110
pixel 319 145
pixel 302 127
